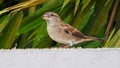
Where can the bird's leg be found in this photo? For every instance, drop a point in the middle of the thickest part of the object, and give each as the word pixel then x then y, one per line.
pixel 64 46
pixel 70 43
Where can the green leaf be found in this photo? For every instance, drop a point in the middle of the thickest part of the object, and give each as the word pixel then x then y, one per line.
pixel 1 1
pixel 64 4
pixel 9 33
pixel 117 25
pixel 45 42
pixel 76 6
pixel 97 9
pixel 115 41
pixel 33 24
pixel 39 33
pixel 50 5
pixel 109 38
pixel 82 17
pixel 101 20
pixel 85 4
pixel 3 22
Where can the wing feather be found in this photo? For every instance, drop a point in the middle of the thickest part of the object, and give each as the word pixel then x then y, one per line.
pixel 71 30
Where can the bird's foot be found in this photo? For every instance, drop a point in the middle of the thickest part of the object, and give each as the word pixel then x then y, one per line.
pixel 64 46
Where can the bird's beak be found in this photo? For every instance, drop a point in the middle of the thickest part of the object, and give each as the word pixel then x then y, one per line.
pixel 45 17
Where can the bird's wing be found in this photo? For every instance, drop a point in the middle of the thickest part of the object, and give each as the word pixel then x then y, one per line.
pixel 71 30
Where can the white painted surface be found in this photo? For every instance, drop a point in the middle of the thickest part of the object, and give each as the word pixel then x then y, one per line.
pixel 60 58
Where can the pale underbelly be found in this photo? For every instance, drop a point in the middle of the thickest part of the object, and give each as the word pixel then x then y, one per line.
pixel 60 36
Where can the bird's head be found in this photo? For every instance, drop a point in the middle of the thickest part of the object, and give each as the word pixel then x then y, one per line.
pixel 51 17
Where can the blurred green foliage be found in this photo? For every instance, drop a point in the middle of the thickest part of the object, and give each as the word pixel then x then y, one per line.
pixel 22 26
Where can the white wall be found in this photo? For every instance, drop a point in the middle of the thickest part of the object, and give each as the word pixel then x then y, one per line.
pixel 60 58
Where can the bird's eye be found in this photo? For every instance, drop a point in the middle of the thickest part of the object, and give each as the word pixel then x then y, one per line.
pixel 52 14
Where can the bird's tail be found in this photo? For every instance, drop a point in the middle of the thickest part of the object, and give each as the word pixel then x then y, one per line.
pixel 96 38
pixel 89 38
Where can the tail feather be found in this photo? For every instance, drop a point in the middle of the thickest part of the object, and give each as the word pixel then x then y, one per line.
pixel 89 38
pixel 96 38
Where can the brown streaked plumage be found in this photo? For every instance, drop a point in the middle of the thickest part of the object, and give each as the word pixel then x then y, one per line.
pixel 62 32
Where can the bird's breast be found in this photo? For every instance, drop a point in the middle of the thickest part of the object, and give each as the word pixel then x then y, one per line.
pixel 54 33
pixel 59 35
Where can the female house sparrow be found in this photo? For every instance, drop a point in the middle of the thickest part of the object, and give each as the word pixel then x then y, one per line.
pixel 62 32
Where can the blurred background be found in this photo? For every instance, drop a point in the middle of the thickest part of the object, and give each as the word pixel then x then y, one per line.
pixel 21 24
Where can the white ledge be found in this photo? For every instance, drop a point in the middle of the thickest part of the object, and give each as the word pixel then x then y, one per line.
pixel 60 58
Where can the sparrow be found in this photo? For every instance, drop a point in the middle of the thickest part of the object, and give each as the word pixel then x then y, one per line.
pixel 62 32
